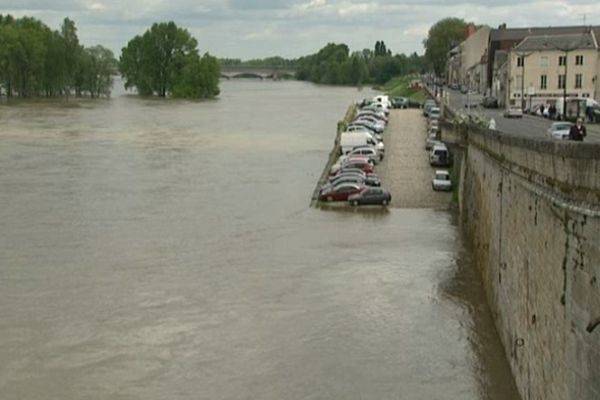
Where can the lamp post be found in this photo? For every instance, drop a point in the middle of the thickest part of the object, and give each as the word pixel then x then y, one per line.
pixel 522 56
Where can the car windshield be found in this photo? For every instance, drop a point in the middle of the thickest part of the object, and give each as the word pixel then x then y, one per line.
pixel 560 127
pixel 441 177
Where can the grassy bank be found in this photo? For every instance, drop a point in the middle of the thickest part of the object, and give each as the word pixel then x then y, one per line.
pixel 400 87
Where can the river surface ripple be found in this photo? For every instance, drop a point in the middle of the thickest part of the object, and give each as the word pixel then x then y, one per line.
pixel 165 250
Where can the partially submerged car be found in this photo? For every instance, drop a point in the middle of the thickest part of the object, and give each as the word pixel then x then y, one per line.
pixel 340 192
pixel 370 196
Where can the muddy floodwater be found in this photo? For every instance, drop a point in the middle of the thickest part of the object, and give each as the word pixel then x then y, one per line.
pixel 166 250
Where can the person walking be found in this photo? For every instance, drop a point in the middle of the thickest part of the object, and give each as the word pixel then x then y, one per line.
pixel 577 131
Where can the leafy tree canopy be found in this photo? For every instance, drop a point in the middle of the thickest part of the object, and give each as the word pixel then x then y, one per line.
pixel 165 61
pixel 443 35
pixel 36 61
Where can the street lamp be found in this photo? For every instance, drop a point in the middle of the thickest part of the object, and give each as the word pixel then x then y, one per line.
pixel 522 56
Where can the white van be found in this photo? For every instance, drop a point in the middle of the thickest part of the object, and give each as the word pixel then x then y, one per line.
pixel 350 140
pixel 439 155
pixel 383 99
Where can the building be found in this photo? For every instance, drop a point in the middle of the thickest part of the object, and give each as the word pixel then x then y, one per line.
pixel 542 68
pixel 504 39
pixel 467 61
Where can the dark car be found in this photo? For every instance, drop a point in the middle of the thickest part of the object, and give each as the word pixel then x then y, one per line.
pixel 399 102
pixel 489 102
pixel 370 195
pixel 354 178
pixel 340 192
pixel 368 125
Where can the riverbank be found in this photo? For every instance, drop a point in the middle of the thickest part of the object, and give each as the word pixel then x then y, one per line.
pixel 333 154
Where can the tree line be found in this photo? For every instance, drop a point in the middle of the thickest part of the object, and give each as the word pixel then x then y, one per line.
pixel 334 64
pixel 36 61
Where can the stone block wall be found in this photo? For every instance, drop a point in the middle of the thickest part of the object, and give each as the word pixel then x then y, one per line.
pixel 532 211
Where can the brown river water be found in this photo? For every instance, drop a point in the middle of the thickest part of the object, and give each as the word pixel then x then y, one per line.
pixel 166 250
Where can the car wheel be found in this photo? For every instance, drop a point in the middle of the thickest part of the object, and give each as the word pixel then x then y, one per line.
pixel 384 202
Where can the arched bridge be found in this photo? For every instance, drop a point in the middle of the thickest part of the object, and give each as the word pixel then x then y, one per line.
pixel 264 72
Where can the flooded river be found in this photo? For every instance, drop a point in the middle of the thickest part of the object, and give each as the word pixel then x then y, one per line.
pixel 165 250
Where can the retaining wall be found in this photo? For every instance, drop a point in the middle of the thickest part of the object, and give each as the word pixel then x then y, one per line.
pixel 532 211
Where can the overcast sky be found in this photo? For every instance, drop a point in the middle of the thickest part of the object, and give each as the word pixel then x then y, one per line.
pixel 290 28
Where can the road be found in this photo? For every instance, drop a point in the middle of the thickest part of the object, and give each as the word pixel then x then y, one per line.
pixel 528 126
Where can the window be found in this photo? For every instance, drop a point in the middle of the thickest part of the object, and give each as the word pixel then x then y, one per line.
pixel 561 81
pixel 520 61
pixel 543 82
pixel 562 60
pixel 578 81
pixel 543 61
pixel 579 60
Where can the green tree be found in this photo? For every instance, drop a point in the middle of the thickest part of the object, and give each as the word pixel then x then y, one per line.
pixel 163 59
pixel 442 36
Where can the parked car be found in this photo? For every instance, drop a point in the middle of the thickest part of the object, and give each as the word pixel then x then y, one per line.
pixel 431 141
pixel 340 192
pixel 370 195
pixel 434 113
pixel 378 115
pixel 464 89
pixel 399 102
pixel 559 130
pixel 433 125
pixel 440 155
pixel 361 163
pixel 348 170
pixel 427 106
pixel 368 151
pixel 354 178
pixel 489 102
pixel 378 125
pixel 513 112
pixel 369 125
pixel 442 181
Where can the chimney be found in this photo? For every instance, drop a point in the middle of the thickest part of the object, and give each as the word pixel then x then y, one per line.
pixel 502 26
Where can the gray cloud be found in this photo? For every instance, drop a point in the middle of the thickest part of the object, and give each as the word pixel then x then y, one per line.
pixel 259 28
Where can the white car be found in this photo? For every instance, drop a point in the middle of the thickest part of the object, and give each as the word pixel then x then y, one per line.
pixel 513 112
pixel 431 141
pixel 442 181
pixel 559 130
pixel 367 151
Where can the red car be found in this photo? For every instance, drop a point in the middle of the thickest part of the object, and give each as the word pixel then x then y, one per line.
pixel 340 192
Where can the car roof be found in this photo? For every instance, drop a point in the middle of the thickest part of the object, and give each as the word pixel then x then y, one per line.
pixel 442 172
pixel 439 146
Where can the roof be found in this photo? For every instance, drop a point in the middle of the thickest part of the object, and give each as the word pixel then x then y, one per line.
pixel 563 42
pixel 521 33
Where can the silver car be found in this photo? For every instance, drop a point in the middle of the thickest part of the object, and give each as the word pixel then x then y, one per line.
pixel 559 130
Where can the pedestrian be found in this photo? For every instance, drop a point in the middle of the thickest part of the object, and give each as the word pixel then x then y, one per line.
pixel 542 110
pixel 492 124
pixel 552 111
pixel 577 131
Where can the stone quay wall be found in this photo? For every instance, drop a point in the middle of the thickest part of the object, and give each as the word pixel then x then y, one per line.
pixel 531 209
